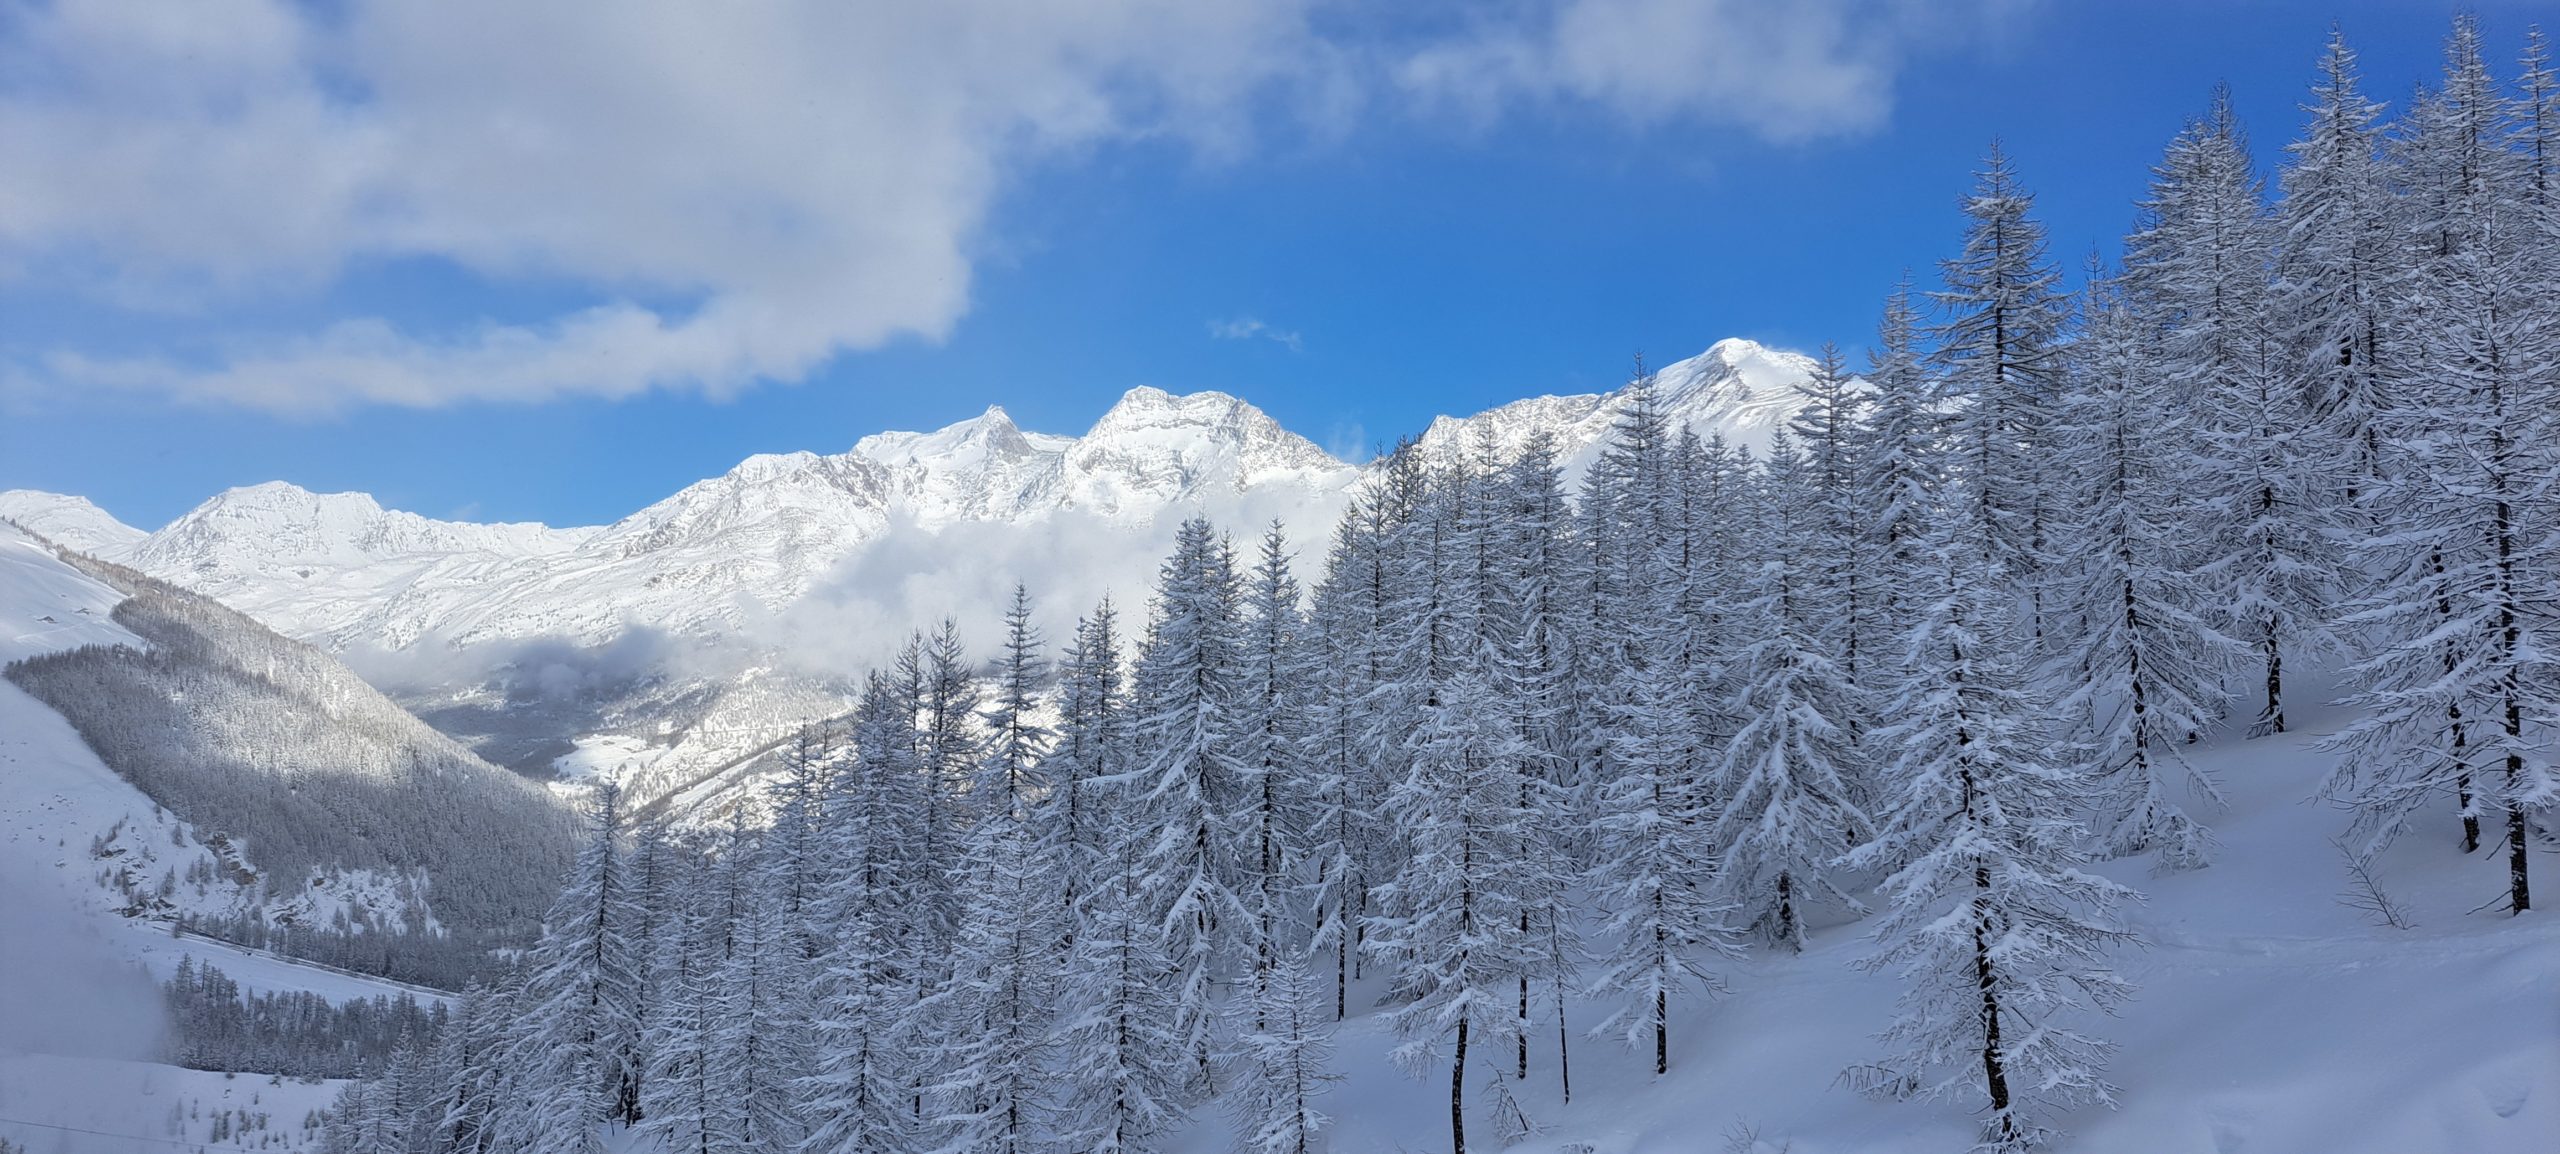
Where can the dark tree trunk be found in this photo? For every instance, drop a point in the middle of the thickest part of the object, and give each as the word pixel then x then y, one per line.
pixel 1523 1074
pixel 1661 1033
pixel 1995 1077
pixel 1787 911
pixel 1564 1049
pixel 2519 894
pixel 2272 718
pixel 1458 1094
pixel 1341 975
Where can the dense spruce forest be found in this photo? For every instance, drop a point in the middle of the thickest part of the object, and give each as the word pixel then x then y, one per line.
pixel 1525 740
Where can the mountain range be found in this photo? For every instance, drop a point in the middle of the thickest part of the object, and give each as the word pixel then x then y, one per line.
pixel 672 643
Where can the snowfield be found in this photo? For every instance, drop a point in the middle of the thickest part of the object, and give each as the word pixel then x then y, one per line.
pixel 53 1105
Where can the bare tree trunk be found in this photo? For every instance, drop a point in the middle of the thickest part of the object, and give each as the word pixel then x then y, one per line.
pixel 1564 1047
pixel 1994 1076
pixel 1458 1094
pixel 2272 718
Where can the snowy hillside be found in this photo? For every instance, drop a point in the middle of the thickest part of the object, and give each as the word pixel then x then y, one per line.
pixel 85 858
pixel 72 521
pixel 2271 1018
pixel 283 792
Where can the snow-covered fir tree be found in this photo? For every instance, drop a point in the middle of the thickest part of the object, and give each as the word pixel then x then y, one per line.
pixel 2198 275
pixel 860 1093
pixel 1783 806
pixel 2334 269
pixel 1994 931
pixel 684 1108
pixel 1091 750
pixel 1654 874
pixel 1124 1065
pixel 2141 675
pixel 1903 459
pixel 1273 788
pixel 2001 313
pixel 1284 1063
pixel 576 1040
pixel 994 1018
pixel 759 1044
pixel 1188 737
pixel 2451 668
pixel 1448 921
pixel 1342 793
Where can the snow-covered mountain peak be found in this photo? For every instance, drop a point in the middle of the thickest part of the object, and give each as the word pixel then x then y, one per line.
pixel 731 551
pixel 1154 449
pixel 1147 408
pixel 988 438
pixel 275 524
pixel 1739 390
pixel 72 522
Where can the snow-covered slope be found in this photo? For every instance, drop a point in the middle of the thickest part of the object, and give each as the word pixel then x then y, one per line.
pixel 2271 1019
pixel 251 775
pixel 72 521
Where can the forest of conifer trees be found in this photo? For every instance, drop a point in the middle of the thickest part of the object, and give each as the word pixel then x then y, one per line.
pixel 1524 741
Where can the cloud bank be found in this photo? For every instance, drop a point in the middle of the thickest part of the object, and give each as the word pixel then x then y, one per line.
pixel 744 191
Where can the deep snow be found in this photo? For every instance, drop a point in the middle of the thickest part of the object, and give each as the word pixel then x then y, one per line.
pixel 2271 1019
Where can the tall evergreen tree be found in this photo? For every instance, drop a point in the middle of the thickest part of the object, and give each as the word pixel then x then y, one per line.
pixel 1342 795
pixel 1903 464
pixel 2334 268
pixel 759 1046
pixel 1271 706
pixel 576 1042
pixel 861 1089
pixel 1092 749
pixel 1124 1060
pixel 1449 919
pixel 1653 874
pixel 995 1016
pixel 685 1107
pixel 2450 673
pixel 2142 672
pixel 1188 740
pixel 2199 272
pixel 1284 1063
pixel 2001 316
pixel 1993 929
pixel 1783 804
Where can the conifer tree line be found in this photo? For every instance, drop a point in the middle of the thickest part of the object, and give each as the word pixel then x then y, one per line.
pixel 215 1024
pixel 1530 749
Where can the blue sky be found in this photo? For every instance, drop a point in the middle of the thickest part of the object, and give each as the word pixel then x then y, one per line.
pixel 1424 214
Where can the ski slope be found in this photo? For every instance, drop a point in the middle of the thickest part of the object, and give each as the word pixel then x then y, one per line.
pixel 2272 1019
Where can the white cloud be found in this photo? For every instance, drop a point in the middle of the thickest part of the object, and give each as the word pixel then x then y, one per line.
pixel 1783 69
pixel 1248 328
pixel 747 189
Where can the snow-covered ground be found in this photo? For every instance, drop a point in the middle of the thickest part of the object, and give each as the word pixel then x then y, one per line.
pixel 58 1105
pixel 2272 1019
